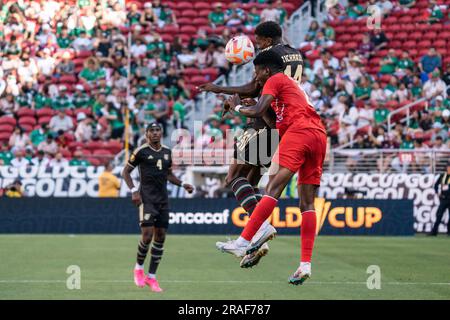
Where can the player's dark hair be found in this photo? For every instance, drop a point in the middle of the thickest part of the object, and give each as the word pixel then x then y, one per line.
pixel 269 59
pixel 269 29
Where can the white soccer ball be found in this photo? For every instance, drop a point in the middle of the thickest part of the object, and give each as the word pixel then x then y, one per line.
pixel 240 50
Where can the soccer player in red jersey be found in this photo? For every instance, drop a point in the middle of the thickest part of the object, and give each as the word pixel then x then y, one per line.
pixel 301 149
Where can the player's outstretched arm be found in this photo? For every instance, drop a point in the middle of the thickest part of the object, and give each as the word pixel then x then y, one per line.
pixel 126 175
pixel 249 90
pixel 173 179
pixel 255 111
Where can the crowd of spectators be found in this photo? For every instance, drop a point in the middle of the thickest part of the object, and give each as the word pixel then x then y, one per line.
pixel 72 58
pixel 355 103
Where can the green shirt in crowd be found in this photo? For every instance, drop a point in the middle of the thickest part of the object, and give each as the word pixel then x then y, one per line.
pixel 407 145
pixel 389 68
pixel 405 64
pixel 6 156
pixel 217 18
pixel 380 115
pixel 361 91
pixel 36 136
pixel 79 163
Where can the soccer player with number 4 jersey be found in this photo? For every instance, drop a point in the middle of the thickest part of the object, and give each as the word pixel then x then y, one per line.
pixel 301 149
pixel 154 162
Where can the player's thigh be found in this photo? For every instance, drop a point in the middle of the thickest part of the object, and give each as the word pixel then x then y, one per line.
pixel 315 146
pixel 254 175
pixel 278 182
pixel 290 153
pixel 161 219
pixel 237 169
pixel 147 211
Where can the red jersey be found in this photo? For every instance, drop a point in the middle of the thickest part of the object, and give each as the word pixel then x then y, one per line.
pixel 291 104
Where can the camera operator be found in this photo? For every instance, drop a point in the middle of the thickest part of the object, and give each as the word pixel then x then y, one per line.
pixel 442 188
pixel 14 190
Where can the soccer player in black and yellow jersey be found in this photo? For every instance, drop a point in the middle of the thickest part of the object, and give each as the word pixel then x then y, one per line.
pixel 154 162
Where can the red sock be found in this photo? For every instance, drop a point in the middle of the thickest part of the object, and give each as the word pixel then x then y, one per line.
pixel 308 233
pixel 262 211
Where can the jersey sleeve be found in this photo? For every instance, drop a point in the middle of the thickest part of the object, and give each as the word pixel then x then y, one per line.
pixel 271 86
pixel 135 158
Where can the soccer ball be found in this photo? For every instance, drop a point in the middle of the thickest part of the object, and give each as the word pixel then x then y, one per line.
pixel 240 50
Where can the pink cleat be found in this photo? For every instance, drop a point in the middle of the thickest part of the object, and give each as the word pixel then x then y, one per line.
pixel 153 284
pixel 139 278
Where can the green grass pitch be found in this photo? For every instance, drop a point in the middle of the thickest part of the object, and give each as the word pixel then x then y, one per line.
pixel 34 267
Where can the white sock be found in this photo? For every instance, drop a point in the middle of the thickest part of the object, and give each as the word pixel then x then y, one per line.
pixel 151 276
pixel 242 242
pixel 264 225
pixel 305 266
pixel 139 266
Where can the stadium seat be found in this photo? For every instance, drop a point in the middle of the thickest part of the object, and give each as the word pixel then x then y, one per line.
pixel 184 21
pixel 27 120
pixel 200 22
pixel 212 73
pixel 75 145
pixel 189 13
pixel 6 128
pixel 167 37
pixel 66 153
pixel 184 5
pixel 188 29
pixel 69 79
pixel 392 105
pixel 25 112
pixel 113 146
pixel 44 120
pixel 7 120
pixel 93 145
pixel 4 136
pixel 197 80
pixel 47 112
pixel 84 54
pixel 202 5
pixel 191 71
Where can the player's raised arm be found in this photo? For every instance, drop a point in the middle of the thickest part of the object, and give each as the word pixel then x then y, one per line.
pixel 249 90
pixel 255 111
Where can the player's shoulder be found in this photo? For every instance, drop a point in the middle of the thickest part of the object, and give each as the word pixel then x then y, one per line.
pixel 283 49
pixel 166 149
pixel 140 149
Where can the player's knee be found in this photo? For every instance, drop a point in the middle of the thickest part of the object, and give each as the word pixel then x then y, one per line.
pixel 146 236
pixel 160 235
pixel 231 176
pixel 306 205
pixel 273 190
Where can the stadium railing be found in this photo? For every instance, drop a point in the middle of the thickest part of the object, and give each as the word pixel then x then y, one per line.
pixel 386 161
pixel 336 161
pixel 298 24
pixel 404 113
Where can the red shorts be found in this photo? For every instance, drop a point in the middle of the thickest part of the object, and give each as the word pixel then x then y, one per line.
pixel 302 150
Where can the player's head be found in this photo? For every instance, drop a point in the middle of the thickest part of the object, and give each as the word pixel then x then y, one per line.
pixel 267 34
pixel 153 132
pixel 267 63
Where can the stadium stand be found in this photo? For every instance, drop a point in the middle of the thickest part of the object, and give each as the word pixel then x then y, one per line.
pixel 64 81
pixel 64 67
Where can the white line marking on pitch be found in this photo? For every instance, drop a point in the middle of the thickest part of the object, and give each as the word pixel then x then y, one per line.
pixel 235 281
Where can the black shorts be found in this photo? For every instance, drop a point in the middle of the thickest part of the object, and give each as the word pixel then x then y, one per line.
pixel 256 146
pixel 154 215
